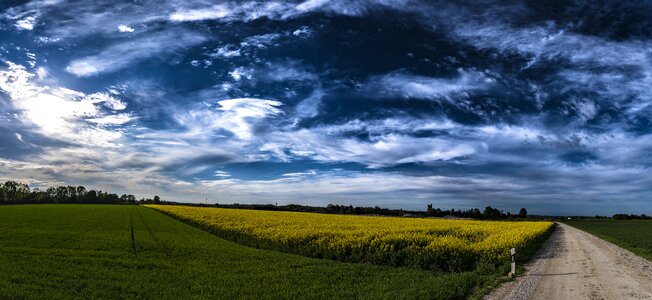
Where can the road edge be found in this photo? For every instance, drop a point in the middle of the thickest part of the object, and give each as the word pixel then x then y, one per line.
pixel 524 285
pixel 630 257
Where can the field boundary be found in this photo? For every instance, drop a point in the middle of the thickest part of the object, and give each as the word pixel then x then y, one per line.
pixel 440 258
pixel 620 243
pixel 523 286
pixel 631 257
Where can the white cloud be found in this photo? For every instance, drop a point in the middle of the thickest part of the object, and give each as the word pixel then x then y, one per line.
pixel 512 132
pixel 27 23
pixel 121 55
pixel 586 109
pixel 19 136
pixel 309 107
pixel 622 90
pixel 16 82
pixel 222 174
pixel 118 119
pixel 311 5
pixel 125 28
pixel 245 11
pixel 383 150
pixel 261 41
pixel 421 87
pixel 226 52
pixel 301 174
pixel 547 42
pixel 405 125
pixel 241 72
pixel 210 13
pixel 59 113
pixel 289 71
pixel 80 20
pixel 106 99
pixel 238 113
pixel 619 71
pixel 238 116
pixel 86 20
pixel 302 32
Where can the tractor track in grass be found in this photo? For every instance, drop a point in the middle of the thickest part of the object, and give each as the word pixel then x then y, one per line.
pixel 574 264
pixel 149 229
pixel 133 238
pixel 152 233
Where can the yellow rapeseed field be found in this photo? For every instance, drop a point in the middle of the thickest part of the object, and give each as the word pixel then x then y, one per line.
pixel 447 245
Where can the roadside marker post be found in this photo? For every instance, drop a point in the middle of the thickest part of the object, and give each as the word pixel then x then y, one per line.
pixel 513 272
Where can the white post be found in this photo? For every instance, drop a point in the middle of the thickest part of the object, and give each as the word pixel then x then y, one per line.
pixel 513 252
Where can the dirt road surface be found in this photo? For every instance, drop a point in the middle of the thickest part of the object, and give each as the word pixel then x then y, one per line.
pixel 574 264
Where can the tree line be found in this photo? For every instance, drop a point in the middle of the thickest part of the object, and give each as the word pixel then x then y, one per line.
pixel 631 217
pixel 12 192
pixel 489 212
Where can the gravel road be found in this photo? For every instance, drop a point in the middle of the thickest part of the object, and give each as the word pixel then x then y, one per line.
pixel 574 264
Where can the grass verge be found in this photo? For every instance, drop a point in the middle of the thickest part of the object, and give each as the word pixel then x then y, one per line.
pixel 633 235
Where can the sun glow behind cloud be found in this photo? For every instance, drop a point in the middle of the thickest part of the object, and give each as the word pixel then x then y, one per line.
pixel 59 112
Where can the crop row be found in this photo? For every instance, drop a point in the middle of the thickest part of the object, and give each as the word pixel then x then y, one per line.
pixel 437 244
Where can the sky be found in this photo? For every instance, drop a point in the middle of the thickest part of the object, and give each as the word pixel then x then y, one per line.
pixel 396 103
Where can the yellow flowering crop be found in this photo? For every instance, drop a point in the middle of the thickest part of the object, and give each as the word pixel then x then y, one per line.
pixel 438 244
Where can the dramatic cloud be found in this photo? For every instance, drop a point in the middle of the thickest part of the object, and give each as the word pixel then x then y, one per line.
pixel 62 113
pixel 396 103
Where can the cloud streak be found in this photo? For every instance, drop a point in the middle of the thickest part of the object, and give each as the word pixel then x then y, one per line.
pixel 122 55
pixel 422 87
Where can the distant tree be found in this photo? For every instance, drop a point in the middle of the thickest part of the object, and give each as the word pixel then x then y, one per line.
pixel 81 192
pixel 62 194
pixel 491 213
pixel 15 192
pixel 90 196
pixel 3 194
pixel 72 193
pixel 522 213
pixel 157 199
pixel 51 193
pixel 620 217
pixel 11 189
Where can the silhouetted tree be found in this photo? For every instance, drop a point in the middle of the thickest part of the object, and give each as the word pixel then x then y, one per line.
pixel 13 192
pixel 522 213
pixel 491 213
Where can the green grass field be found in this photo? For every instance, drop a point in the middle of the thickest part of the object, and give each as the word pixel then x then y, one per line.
pixel 113 251
pixel 634 235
